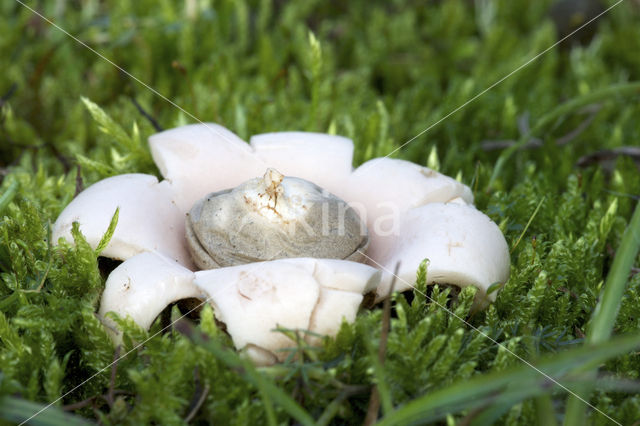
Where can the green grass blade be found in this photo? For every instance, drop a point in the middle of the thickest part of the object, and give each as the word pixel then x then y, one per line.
pixel 381 381
pixel 18 410
pixel 500 406
pixel 498 388
pixel 604 316
pixel 526 227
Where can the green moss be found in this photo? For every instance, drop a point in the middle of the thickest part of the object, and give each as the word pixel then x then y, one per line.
pixel 379 73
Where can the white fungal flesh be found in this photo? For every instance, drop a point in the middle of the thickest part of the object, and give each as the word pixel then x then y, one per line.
pixel 254 299
pixel 339 275
pixel 148 218
pixel 382 189
pixel 464 247
pixel 411 212
pixel 333 307
pixel 320 158
pixel 202 158
pixel 386 185
pixel 198 159
pixel 142 287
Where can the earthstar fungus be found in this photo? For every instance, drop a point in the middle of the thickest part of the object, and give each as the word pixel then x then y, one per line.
pixel 277 226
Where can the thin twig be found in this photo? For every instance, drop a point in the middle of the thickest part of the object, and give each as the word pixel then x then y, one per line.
pixel 8 94
pixel 593 111
pixel 112 379
pixel 199 403
pixel 494 145
pixel 466 420
pixel 330 411
pixel 79 404
pixel 609 154
pixel 199 396
pixel 79 182
pixel 533 142
pixel 374 407
pixel 386 318
pixel 374 400
pixel 146 115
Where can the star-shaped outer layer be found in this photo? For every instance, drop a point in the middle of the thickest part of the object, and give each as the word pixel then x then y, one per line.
pixel 412 213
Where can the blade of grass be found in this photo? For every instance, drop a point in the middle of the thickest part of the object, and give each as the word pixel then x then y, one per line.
pixel 502 405
pixel 380 392
pixel 524 231
pixel 18 410
pixel 544 406
pixel 604 316
pixel 509 399
pixel 559 111
pixel 497 388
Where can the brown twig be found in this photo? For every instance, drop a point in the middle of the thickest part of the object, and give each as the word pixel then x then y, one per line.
pixel 146 115
pixel 466 420
pixel 112 380
pixel 563 140
pixel 374 400
pixel 199 403
pixel 8 94
pixel 533 142
pixel 79 182
pixel 199 396
pixel 386 318
pixel 79 404
pixel 609 154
